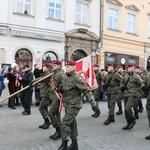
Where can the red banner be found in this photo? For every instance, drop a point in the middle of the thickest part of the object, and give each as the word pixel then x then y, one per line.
pixel 85 68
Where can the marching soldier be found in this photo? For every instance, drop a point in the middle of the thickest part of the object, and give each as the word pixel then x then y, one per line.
pixel 55 83
pixel 146 89
pixel 73 87
pixel 119 100
pixel 112 85
pixel 138 71
pixel 131 83
pixel 96 92
pixel 44 95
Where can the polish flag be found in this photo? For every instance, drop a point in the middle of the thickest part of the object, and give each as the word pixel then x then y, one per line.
pixel 85 68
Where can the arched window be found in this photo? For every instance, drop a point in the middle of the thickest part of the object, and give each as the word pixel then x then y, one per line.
pixel 49 56
pixel 78 54
pixel 22 57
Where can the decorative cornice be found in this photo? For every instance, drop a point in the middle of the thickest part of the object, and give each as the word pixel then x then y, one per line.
pixel 132 7
pixel 114 2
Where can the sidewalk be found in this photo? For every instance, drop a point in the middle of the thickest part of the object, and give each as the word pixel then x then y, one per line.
pixel 19 132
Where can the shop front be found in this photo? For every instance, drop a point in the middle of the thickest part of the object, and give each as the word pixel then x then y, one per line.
pixel 120 59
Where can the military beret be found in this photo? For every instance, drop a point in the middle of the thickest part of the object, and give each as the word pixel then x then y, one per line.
pixel 119 66
pixel 96 65
pixel 70 63
pixel 26 66
pixel 47 65
pixel 137 67
pixel 130 65
pixel 57 62
pixel 109 65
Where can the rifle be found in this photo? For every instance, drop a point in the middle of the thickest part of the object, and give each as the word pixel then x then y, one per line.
pixel 107 84
pixel 124 87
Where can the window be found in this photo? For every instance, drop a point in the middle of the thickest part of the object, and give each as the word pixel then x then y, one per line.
pixel 81 13
pixel 131 23
pixel 24 6
pixel 149 28
pixel 55 9
pixel 113 19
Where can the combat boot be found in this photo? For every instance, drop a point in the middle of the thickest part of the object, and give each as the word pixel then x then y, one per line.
pixel 41 126
pixel 136 116
pixel 51 136
pixel 73 146
pixel 57 135
pixel 141 109
pixel 147 137
pixel 131 124
pixel 109 120
pixel 119 111
pixel 47 124
pixel 63 145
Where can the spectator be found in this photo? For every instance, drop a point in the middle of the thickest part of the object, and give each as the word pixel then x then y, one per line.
pixel 26 94
pixel 2 76
pixel 11 86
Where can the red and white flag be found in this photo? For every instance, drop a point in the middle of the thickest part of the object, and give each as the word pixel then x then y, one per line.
pixel 85 68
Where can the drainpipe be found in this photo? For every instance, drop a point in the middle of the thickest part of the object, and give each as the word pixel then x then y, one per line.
pixel 100 40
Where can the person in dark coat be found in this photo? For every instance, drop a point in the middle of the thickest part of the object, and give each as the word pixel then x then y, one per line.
pixel 11 86
pixel 26 94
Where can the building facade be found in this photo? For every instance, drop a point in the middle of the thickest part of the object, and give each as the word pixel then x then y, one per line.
pixel 126 33
pixel 35 31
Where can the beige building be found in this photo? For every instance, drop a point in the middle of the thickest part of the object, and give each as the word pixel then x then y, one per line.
pixel 126 32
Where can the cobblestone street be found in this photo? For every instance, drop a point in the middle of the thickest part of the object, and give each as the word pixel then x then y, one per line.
pixel 19 132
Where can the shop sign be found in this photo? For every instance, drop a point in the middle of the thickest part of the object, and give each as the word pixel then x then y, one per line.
pixel 37 35
pixel 3 30
pixel 131 61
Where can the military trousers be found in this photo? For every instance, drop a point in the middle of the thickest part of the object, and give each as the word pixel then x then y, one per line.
pixel 136 104
pixel 69 124
pixel 96 94
pixel 43 108
pixel 111 101
pixel 120 99
pixel 148 108
pixel 54 113
pixel 129 103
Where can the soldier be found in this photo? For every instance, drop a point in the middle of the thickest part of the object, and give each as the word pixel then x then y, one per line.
pixel 44 95
pixel 55 83
pixel 139 72
pixel 131 83
pixel 72 88
pixel 146 89
pixel 112 85
pixel 37 74
pixel 96 92
pixel 119 100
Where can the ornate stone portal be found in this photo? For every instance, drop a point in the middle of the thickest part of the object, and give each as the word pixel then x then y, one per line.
pixel 80 43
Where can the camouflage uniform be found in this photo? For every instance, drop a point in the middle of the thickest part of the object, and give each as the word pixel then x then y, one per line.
pixel 73 87
pixel 54 113
pixel 113 92
pixel 44 94
pixel 120 96
pixel 96 92
pixel 131 94
pixel 140 95
pixel 146 83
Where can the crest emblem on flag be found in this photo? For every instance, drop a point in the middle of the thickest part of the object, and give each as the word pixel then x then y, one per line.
pixel 85 68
